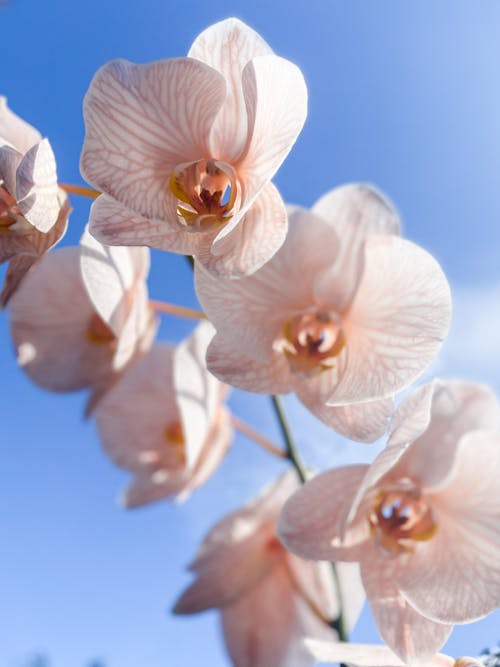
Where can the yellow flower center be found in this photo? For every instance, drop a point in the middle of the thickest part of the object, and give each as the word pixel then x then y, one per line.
pixel 174 437
pixel 311 341
pixel 98 332
pixel 206 191
pixel 9 210
pixel 401 516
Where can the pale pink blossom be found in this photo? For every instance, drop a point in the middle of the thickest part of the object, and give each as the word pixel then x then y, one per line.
pixel 345 314
pixel 269 599
pixel 370 655
pixel 64 337
pixel 423 520
pixel 184 149
pixel 166 422
pixel 33 209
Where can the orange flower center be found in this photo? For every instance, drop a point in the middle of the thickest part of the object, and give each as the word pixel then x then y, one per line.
pixel 206 191
pixel 9 210
pixel 401 516
pixel 98 332
pixel 174 437
pixel 311 341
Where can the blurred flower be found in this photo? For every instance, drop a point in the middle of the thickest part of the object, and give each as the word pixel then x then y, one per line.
pixel 269 599
pixel 64 337
pixel 423 520
pixel 366 655
pixel 345 314
pixel 165 421
pixel 33 210
pixel 185 149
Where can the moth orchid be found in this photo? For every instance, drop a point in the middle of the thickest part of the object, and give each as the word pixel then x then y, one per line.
pixel 184 149
pixel 269 599
pixel 166 422
pixel 68 337
pixel 345 314
pixel 423 520
pixel 33 209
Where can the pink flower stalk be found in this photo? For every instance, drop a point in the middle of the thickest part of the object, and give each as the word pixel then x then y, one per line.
pixel 269 599
pixel 184 149
pixel 366 655
pixel 423 520
pixel 33 210
pixel 165 421
pixel 64 337
pixel 345 314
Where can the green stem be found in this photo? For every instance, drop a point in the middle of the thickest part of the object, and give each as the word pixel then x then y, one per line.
pixel 293 455
pixel 291 449
pixel 339 623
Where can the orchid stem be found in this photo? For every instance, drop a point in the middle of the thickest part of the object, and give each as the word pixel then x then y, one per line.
pixel 180 311
pixel 339 623
pixel 292 453
pixel 80 190
pixel 250 433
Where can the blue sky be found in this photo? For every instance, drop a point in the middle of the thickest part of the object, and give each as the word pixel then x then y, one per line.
pixel 402 94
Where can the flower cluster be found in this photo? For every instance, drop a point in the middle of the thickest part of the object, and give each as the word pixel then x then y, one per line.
pixel 330 303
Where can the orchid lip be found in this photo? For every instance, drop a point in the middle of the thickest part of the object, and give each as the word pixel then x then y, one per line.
pixel 311 341
pixel 207 192
pixel 400 517
pixel 176 442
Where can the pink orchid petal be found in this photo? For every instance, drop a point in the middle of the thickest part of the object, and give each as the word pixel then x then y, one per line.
pixel 228 46
pixel 146 489
pixel 113 223
pixel 412 417
pixel 245 306
pixel 138 330
pixel 365 655
pixel 216 445
pixel 456 408
pixel 143 120
pixel 413 637
pixel 10 159
pixel 110 275
pixel 261 627
pixel 37 191
pixel 132 417
pixel 265 377
pixel 354 211
pixel 314 580
pixel 15 130
pixel 222 580
pixel 253 241
pixel 49 316
pixel 276 100
pixel 25 249
pixel 196 390
pixel 363 422
pixel 312 520
pixel 397 321
pixel 459 567
pixel 257 306
pixel 360 655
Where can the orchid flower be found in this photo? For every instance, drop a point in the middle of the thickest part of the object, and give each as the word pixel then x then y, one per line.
pixel 33 209
pixel 345 314
pixel 64 337
pixel 423 520
pixel 184 149
pixel 372 655
pixel 166 422
pixel 269 599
